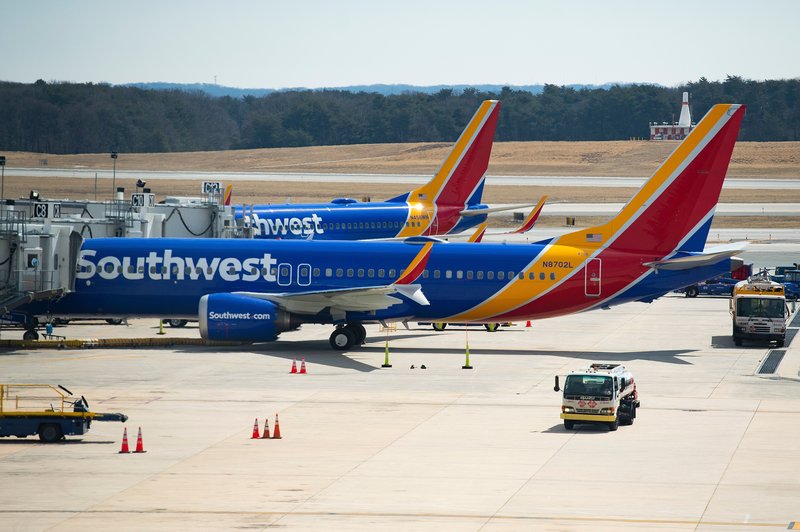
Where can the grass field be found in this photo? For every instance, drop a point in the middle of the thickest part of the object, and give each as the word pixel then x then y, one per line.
pixel 619 158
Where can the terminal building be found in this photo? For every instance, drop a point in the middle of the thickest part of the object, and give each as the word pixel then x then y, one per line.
pixel 674 131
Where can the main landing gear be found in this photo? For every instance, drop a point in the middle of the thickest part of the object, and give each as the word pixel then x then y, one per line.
pixel 346 336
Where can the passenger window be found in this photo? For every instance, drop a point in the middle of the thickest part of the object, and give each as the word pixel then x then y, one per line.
pixel 425 274
pixel 501 276
pixel 349 272
pixel 479 275
pixel 469 275
pixel 459 274
pixel 531 276
pixel 316 272
pixel 361 272
pixel 370 273
pixel 552 276
pixel 328 272
pixel 392 273
pixel 521 275
pixel 437 274
pixel 339 272
pixel 381 273
pixel 541 276
pixel 490 275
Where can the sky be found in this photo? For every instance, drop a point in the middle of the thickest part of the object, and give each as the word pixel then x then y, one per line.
pixel 282 44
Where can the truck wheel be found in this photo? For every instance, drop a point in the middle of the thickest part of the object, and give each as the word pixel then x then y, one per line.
pixel 569 424
pixel 737 341
pixel 50 432
pixel 692 291
pixel 613 425
pixel 439 326
pixel 780 343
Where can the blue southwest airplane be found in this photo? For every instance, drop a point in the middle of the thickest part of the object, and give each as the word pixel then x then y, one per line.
pixel 447 204
pixel 252 290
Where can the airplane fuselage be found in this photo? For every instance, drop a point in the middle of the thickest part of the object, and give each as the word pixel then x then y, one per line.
pixel 482 283
pixel 351 220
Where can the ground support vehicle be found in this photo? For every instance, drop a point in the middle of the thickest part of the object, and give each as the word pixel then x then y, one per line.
pixel 603 393
pixel 44 409
pixel 758 311
pixel 719 286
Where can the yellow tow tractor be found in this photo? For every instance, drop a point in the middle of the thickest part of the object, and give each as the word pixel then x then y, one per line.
pixel 46 410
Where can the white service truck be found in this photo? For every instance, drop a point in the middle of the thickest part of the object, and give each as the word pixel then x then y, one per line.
pixel 603 393
pixel 759 311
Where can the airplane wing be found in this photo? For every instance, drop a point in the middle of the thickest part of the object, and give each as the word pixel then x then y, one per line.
pixel 362 299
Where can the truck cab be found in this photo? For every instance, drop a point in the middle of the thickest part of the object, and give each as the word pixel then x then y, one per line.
pixel 759 312
pixel 603 393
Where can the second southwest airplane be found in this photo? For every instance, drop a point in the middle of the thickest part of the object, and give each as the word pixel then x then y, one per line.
pixel 447 204
pixel 252 290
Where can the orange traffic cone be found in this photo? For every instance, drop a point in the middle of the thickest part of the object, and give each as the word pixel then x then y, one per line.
pixel 277 434
pixel 124 449
pixel 266 429
pixel 528 324
pixel 303 365
pixel 139 443
pixel 294 366
pixel 255 430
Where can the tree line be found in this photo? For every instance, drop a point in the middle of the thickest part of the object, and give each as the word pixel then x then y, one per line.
pixel 63 118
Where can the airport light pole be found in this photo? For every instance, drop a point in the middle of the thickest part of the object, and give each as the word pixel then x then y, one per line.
pixel 114 155
pixel 2 176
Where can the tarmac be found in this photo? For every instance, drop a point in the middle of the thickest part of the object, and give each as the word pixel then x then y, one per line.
pixel 714 447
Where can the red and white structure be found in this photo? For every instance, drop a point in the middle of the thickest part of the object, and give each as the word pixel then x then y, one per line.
pixel 674 131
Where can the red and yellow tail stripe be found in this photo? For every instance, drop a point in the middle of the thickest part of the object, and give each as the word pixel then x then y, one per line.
pixel 417 266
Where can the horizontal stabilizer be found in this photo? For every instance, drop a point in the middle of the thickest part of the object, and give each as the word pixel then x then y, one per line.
pixel 692 261
pixel 490 210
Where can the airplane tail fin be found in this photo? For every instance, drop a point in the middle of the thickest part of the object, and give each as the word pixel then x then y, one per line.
pixel 459 180
pixel 674 208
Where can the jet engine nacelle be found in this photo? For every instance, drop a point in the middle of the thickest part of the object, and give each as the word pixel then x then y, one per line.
pixel 240 318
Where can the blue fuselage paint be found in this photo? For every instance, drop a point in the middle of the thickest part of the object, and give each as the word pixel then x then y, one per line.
pixel 166 277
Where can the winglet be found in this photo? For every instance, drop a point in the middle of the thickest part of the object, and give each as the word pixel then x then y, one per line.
pixel 477 236
pixel 529 222
pixel 228 194
pixel 417 266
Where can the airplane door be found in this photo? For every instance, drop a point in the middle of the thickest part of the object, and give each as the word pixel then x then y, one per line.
pixel 284 274
pixel 304 274
pixel 592 278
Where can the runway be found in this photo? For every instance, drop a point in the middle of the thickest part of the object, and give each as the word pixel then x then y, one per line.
pixel 545 181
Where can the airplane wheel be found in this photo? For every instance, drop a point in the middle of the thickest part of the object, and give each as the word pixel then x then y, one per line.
pixel 177 323
pixel 359 331
pixel 692 291
pixel 439 326
pixel 342 338
pixel 30 334
pixel 114 321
